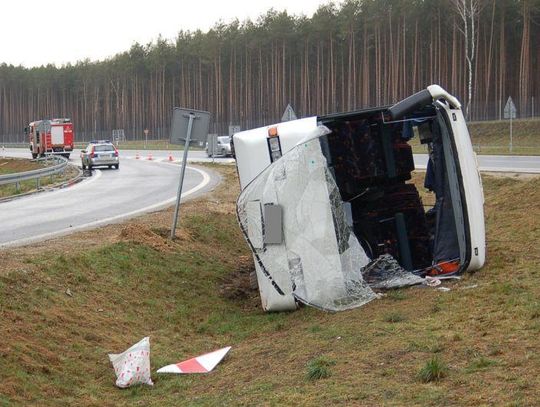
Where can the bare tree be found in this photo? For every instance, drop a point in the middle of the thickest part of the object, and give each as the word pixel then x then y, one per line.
pixel 468 11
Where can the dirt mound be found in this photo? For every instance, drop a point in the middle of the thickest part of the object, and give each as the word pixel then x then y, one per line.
pixel 242 283
pixel 182 234
pixel 144 235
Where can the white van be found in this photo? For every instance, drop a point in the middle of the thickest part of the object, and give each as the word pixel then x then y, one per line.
pixel 325 197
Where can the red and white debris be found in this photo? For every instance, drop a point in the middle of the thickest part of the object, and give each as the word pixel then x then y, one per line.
pixel 200 364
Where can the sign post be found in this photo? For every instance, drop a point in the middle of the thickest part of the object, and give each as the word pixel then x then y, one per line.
pixel 211 146
pixel 233 129
pixel 187 125
pixel 146 131
pixel 510 113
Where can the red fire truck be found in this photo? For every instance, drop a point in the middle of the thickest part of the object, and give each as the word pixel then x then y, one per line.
pixel 53 136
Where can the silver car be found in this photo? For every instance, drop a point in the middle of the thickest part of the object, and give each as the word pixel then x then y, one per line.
pixel 222 147
pixel 100 153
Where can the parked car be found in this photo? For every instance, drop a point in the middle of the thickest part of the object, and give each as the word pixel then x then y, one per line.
pixel 100 153
pixel 222 148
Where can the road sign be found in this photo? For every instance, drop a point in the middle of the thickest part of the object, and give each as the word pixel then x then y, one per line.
pixel 510 109
pixel 212 145
pixel 510 113
pixel 180 123
pixel 288 114
pixel 146 131
pixel 118 135
pixel 233 129
pixel 186 123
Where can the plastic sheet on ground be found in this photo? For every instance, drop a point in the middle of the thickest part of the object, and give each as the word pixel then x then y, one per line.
pixel 132 366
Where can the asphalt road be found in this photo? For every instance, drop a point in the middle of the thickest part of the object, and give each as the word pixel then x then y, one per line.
pixel 108 196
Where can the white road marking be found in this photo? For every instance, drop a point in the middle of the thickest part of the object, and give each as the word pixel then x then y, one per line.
pixel 510 169
pixel 112 219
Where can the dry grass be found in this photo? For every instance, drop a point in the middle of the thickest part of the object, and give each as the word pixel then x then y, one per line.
pixel 14 165
pixel 128 282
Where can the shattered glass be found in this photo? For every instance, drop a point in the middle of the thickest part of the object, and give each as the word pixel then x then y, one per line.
pixel 384 272
pixel 320 261
pixel 320 255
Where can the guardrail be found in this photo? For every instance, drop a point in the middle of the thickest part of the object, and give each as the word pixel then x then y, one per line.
pixel 59 164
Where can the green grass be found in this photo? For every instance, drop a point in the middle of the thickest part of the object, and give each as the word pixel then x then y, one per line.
pixel 397 295
pixel 15 165
pixel 433 370
pixel 11 166
pixel 479 346
pixel 480 363
pixel 319 368
pixel 394 317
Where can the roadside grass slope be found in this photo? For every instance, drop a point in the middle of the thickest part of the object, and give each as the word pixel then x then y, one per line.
pixel 15 165
pixel 192 296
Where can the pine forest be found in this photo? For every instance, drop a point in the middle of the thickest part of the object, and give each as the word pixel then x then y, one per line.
pixel 347 56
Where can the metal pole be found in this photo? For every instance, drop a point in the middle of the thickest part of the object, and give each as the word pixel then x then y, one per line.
pixel 511 131
pixel 182 171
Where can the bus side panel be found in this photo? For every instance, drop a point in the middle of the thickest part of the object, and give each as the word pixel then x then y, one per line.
pixel 472 187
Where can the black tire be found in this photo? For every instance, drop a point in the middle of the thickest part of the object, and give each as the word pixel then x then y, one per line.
pixel 34 156
pixel 110 166
pixel 116 166
pixel 83 166
pixel 89 167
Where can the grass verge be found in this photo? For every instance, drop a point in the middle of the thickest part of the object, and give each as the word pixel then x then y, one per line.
pixel 14 165
pixel 192 296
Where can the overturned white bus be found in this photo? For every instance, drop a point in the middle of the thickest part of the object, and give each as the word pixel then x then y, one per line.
pixel 329 214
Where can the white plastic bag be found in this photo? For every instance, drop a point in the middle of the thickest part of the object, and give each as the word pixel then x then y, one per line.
pixel 133 366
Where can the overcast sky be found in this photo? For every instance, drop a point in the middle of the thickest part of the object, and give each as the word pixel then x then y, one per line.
pixel 37 32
